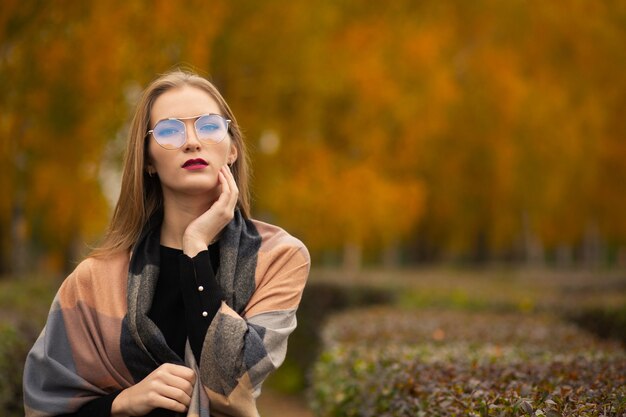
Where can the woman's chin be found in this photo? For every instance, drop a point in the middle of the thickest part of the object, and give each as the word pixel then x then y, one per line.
pixel 192 186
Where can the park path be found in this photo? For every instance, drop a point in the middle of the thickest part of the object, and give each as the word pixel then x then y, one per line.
pixel 276 404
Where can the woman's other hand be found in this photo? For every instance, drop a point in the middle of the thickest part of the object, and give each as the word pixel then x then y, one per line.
pixel 203 230
pixel 169 386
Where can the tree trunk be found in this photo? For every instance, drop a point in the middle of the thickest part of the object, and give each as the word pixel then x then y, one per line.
pixel 19 243
pixel 593 250
pixel 352 257
pixel 533 248
pixel 564 256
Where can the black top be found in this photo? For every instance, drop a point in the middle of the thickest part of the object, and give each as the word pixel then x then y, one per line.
pixel 186 292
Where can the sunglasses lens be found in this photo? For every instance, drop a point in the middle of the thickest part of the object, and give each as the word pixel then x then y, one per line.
pixel 211 128
pixel 170 133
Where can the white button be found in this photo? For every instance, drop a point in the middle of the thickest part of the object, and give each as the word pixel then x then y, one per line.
pixel 200 288
pixel 204 314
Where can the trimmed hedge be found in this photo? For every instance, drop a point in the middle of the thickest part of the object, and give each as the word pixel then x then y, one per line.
pixel 24 305
pixel 383 362
pixel 13 350
pixel 606 322
pixel 319 301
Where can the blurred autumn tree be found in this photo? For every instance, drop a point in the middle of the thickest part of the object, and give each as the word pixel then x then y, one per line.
pixel 481 129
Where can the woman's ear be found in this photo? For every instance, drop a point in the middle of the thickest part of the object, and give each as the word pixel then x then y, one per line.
pixel 150 169
pixel 149 161
pixel 232 155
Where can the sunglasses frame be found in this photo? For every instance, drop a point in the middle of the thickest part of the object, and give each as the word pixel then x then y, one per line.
pixel 181 119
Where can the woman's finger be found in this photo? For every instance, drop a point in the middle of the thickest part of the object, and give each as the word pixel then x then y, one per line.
pixel 229 173
pixel 224 182
pixel 182 371
pixel 230 192
pixel 175 394
pixel 179 383
pixel 234 195
pixel 169 386
pixel 223 200
pixel 169 404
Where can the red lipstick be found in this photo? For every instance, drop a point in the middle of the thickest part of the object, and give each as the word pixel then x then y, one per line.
pixel 195 164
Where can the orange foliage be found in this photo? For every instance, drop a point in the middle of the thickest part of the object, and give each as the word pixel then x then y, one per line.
pixel 459 124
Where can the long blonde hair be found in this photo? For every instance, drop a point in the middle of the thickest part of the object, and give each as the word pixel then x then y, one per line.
pixel 140 194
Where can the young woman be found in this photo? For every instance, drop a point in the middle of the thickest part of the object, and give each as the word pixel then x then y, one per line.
pixel 187 305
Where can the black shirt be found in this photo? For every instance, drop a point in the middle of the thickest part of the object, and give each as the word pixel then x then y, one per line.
pixel 186 293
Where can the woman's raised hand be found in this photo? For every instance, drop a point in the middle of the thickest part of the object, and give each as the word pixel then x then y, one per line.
pixel 203 230
pixel 169 386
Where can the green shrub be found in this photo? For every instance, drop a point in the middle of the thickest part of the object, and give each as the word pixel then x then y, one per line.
pixel 24 304
pixel 13 350
pixel 606 322
pixel 381 362
pixel 319 301
pixel 27 299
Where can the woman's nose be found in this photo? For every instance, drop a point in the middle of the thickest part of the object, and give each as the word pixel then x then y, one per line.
pixel 192 141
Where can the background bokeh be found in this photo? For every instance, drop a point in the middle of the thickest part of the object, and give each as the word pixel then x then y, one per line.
pixel 460 162
pixel 398 133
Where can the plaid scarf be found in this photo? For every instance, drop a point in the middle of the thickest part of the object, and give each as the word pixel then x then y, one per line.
pixel 99 339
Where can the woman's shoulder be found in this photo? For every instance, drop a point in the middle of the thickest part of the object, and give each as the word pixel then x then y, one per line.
pixel 98 282
pixel 282 269
pixel 275 238
pixel 107 264
pixel 92 270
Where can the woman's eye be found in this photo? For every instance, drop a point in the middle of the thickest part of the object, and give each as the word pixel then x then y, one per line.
pixel 211 127
pixel 168 132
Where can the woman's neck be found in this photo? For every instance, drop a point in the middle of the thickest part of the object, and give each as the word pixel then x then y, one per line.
pixel 178 212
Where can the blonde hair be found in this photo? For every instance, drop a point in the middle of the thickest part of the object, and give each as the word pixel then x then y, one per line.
pixel 140 194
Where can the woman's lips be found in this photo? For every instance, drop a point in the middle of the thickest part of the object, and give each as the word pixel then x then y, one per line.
pixel 195 164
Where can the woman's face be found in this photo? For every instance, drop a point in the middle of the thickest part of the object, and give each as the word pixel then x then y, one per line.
pixel 176 173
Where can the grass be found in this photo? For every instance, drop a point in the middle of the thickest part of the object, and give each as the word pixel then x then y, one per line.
pixel 499 289
pixel 24 304
pixel 391 362
pixel 477 342
pixel 27 298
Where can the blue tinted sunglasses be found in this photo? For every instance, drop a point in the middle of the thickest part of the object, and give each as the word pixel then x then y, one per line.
pixel 171 133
